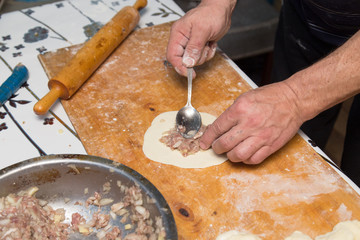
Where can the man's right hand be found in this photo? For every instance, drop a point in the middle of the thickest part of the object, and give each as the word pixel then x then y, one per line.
pixel 256 125
pixel 193 37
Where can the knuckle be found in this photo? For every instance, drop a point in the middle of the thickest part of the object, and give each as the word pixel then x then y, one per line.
pixel 216 128
pixel 243 154
pixel 238 155
pixel 237 109
pixel 176 25
pixel 222 145
pixel 242 103
pixel 260 155
pixel 235 112
pixel 254 122
pixel 268 136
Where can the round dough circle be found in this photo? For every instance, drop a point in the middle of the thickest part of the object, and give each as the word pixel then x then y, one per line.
pixel 235 235
pixel 159 152
pixel 297 235
pixel 343 230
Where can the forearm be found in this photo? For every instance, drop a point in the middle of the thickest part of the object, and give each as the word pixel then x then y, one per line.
pixel 329 81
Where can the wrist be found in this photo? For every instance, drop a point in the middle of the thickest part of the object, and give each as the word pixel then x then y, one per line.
pixel 307 95
pixel 294 98
pixel 229 5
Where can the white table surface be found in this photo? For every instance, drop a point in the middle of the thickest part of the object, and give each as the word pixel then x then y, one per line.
pixel 26 33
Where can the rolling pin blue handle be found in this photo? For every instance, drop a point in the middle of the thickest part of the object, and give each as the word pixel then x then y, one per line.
pixel 18 77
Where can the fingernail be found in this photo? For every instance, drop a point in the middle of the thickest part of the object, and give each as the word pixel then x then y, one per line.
pixel 177 70
pixel 203 146
pixel 212 52
pixel 188 62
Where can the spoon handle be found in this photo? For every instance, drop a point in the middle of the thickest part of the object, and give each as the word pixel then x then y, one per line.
pixel 189 78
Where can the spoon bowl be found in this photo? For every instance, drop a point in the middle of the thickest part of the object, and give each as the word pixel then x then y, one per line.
pixel 188 119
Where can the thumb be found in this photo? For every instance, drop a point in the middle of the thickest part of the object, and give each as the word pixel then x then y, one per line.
pixel 194 48
pixel 191 56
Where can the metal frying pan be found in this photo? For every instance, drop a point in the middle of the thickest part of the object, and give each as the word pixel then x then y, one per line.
pixel 62 185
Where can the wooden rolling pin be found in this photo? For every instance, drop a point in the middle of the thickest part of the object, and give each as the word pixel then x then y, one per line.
pixel 90 56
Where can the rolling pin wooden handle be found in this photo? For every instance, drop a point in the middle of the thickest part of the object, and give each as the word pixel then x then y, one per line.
pixel 140 4
pixel 43 106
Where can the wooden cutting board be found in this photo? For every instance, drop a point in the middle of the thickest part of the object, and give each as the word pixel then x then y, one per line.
pixel 294 189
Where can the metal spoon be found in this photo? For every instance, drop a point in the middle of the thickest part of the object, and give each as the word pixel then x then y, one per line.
pixel 188 119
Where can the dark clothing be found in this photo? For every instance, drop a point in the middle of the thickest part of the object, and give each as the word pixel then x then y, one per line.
pixel 350 163
pixel 296 48
pixel 332 21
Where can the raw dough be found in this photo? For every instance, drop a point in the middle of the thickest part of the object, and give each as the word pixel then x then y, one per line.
pixel 159 152
pixel 298 236
pixel 235 235
pixel 348 230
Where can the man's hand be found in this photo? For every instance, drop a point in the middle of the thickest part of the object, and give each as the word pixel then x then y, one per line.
pixel 256 125
pixel 193 37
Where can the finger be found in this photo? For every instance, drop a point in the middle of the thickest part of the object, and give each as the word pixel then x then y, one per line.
pixel 245 150
pixel 270 147
pixel 229 140
pixel 212 51
pixel 260 155
pixel 195 46
pixel 176 48
pixel 182 70
pixel 221 125
pixel 208 52
pixel 204 55
pixel 174 56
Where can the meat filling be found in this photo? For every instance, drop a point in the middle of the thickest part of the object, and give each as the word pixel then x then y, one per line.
pixel 186 146
pixel 23 216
